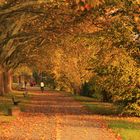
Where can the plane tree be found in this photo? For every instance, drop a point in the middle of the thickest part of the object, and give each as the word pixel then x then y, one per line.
pixel 22 21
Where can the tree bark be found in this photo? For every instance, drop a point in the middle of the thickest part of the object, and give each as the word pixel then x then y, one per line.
pixel 7 81
pixel 1 83
pixel 77 90
pixel 20 6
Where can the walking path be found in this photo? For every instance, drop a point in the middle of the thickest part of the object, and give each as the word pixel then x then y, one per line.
pixel 55 116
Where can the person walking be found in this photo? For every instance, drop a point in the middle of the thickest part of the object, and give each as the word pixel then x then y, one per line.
pixel 42 86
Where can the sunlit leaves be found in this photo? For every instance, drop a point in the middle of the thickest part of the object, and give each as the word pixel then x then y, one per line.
pixel 22 70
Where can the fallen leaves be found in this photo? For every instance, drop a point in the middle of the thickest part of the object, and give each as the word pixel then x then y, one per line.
pixel 51 117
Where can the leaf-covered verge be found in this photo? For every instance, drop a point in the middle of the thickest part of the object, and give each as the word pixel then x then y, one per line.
pixel 127 128
pixel 124 127
pixel 78 43
pixel 6 103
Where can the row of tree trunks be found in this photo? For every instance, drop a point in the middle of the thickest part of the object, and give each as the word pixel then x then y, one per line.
pixel 5 81
pixel 7 51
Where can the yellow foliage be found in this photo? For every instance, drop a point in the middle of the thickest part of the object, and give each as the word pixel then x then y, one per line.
pixel 23 69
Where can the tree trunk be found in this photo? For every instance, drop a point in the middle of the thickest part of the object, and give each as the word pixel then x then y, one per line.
pixel 19 79
pixel 1 83
pixel 77 90
pixel 7 81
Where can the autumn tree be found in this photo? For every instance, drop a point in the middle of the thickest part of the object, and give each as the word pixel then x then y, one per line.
pixel 16 19
pixel 117 63
pixel 68 62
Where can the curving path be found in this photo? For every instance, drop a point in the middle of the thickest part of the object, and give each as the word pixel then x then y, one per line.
pixel 55 116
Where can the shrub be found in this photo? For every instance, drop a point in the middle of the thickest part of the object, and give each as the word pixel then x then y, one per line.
pixel 87 90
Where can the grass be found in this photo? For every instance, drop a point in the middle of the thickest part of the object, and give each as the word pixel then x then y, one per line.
pixel 19 96
pixel 127 127
pixel 98 107
pixel 5 104
pixel 4 107
pixel 129 130
pixel 102 108
pixel 6 101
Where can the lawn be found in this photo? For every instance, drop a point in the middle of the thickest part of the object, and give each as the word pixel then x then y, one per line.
pixel 127 127
pixel 98 107
pixel 6 102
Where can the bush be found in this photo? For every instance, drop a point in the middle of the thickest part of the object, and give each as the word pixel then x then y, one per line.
pixel 5 108
pixel 87 90
pixel 106 96
pixel 132 104
pixel 119 79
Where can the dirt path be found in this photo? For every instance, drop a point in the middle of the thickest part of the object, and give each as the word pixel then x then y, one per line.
pixel 55 116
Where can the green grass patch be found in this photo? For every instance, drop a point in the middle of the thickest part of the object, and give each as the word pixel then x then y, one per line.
pixel 6 101
pixel 98 107
pixel 102 108
pixel 84 98
pixel 128 130
pixel 19 96
pixel 5 104
pixel 4 107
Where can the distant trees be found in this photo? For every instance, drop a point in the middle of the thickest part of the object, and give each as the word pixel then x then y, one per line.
pixel 69 63
pixel 22 74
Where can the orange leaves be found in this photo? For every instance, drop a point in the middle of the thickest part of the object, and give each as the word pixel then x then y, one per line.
pixel 87 5
pixel 82 8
